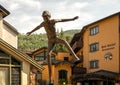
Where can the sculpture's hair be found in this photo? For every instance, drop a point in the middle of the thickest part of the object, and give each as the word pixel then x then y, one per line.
pixel 46 13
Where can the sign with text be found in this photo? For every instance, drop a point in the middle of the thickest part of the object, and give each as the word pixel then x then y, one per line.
pixel 108 46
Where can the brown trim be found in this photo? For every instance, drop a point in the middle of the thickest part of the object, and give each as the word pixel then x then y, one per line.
pixel 4 11
pixel 44 49
pixel 75 38
pixel 119 40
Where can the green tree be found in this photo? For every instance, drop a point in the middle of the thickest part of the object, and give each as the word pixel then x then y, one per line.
pixel 35 41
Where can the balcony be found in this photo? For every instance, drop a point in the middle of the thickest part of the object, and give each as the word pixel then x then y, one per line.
pixel 75 61
pixel 79 70
pixel 77 45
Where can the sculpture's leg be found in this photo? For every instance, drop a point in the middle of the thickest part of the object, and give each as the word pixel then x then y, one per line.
pixel 50 47
pixel 58 40
pixel 49 69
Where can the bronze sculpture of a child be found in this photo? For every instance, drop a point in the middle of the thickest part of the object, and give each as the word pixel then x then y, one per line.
pixel 49 25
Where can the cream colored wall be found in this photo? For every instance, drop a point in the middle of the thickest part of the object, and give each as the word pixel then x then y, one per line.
pixel 108 34
pixel 25 73
pixel 7 34
pixel 1 25
pixel 10 36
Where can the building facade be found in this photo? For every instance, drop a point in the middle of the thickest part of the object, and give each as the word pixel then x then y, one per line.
pixel 62 64
pixel 16 68
pixel 99 44
pixel 7 32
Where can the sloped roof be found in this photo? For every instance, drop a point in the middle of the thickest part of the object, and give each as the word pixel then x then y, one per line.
pixel 106 73
pixel 43 48
pixel 58 62
pixel 11 50
pixel 100 74
pixel 85 27
pixel 4 11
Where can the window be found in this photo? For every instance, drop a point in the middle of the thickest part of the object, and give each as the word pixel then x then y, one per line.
pixel 94 47
pixel 4 79
pixel 63 74
pixel 94 30
pixel 52 57
pixel 66 58
pixel 10 70
pixel 94 64
pixel 15 76
pixel 42 56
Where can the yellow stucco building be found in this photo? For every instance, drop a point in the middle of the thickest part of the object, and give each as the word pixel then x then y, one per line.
pixel 99 44
pixel 62 64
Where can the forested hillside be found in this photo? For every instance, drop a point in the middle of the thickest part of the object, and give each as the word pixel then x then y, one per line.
pixel 35 41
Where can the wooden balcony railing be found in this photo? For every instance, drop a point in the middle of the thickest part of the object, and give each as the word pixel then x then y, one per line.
pixel 75 61
pixel 77 44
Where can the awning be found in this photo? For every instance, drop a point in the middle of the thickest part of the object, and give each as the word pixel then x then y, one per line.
pixel 98 75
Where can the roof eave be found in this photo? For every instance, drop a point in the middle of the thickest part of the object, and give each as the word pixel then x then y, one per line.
pixel 3 11
pixel 17 52
pixel 85 27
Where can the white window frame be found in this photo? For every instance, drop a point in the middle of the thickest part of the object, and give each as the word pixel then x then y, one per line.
pixel 94 30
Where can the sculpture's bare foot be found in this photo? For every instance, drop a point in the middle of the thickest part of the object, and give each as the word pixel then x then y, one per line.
pixel 77 58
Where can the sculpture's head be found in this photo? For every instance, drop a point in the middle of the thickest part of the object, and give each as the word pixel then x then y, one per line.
pixel 46 14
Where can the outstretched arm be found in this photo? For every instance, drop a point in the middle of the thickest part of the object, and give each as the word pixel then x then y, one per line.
pixel 65 20
pixel 38 27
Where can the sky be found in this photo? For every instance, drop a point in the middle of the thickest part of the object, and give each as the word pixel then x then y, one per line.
pixel 25 15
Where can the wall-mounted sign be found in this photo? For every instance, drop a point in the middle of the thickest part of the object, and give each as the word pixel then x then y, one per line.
pixel 108 56
pixel 108 46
